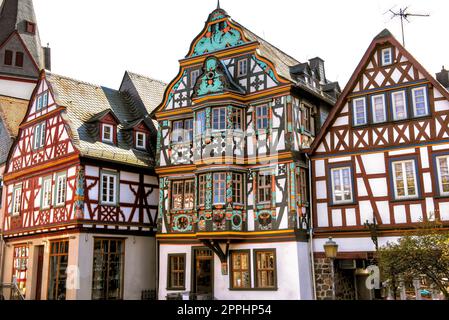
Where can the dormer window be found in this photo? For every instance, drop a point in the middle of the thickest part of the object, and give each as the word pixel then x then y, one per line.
pixel 387 56
pixel 31 27
pixel 107 133
pixel 141 140
pixel 242 68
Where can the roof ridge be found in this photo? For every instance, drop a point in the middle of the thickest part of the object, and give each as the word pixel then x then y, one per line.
pixel 51 74
pixel 146 77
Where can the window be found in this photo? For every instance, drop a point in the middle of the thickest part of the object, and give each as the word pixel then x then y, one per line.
pixel 237 119
pixel 194 77
pixel 301 185
pixel 31 27
pixel 420 105
pixel 379 110
pixel 182 131
pixel 264 184
pixel 342 191
pixel 265 269
pixel 202 190
pixel 8 57
pixel 59 261
pixel 442 164
pixel 237 188
pixel 20 267
pixel 306 118
pixel 108 133
pixel 360 117
pixel 262 117
pixel 201 122
pixel 109 256
pixel 176 272
pixel 42 101
pixel 242 68
pixel 141 142
pixel 399 105
pixel 39 136
pixel 16 201
pixel 219 119
pixel 46 193
pixel 61 189
pixel 240 266
pixel 443 174
pixel 387 56
pixel 219 188
pixel 183 194
pixel 19 59
pixel 404 179
pixel 108 194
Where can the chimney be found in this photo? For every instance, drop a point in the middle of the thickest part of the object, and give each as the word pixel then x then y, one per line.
pixel 47 57
pixel 317 65
pixel 443 77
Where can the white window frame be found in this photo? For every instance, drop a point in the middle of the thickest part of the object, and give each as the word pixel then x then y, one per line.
pixel 108 175
pixel 241 72
pixel 351 185
pixel 426 102
pixel 60 196
pixel 103 136
pixel 237 180
pixel 45 100
pixel 373 110
pixel 39 135
pixel 354 107
pixel 143 137
pixel 440 181
pixel 221 181
pixel 383 53
pixel 404 177
pixel 220 120
pixel 16 205
pixel 393 104
pixel 47 186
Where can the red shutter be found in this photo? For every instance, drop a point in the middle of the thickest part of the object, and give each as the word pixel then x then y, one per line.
pixel 8 57
pixel 19 59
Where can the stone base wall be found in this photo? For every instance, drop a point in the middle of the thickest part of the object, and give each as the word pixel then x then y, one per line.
pixel 344 279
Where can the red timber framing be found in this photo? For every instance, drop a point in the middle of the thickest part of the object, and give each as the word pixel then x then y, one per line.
pixel 370 150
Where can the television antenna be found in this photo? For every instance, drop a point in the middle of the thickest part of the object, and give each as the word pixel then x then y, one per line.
pixel 404 15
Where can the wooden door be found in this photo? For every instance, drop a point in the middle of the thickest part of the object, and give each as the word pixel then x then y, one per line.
pixel 204 271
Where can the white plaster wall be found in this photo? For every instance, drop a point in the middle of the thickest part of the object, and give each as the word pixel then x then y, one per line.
pixel 16 89
pixel 353 244
pixel 293 272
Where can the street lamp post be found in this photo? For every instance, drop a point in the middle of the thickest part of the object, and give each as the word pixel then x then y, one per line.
pixel 331 251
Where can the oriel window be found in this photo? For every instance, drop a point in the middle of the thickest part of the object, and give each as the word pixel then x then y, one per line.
pixel 59 260
pixel 219 188
pixel 202 181
pixel 107 279
pixel 237 119
pixel 200 122
pixel 219 119
pixel 264 186
pixel 237 188
pixel 183 193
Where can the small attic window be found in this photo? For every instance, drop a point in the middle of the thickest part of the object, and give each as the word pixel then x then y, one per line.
pixel 141 140
pixel 387 56
pixel 19 59
pixel 8 57
pixel 107 133
pixel 31 27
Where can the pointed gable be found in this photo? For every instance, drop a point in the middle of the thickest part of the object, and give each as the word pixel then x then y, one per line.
pixel 385 68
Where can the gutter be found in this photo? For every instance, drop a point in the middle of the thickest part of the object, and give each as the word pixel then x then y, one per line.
pixel 312 259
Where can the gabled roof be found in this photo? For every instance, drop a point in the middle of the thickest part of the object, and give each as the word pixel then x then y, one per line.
pixel 13 17
pixel 12 112
pixel 83 102
pixel 382 38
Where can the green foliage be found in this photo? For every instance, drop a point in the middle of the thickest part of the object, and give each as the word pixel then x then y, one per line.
pixel 423 252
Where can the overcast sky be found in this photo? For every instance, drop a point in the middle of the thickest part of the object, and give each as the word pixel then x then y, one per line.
pixel 97 40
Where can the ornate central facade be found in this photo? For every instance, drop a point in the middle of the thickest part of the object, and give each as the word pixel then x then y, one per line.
pixel 233 210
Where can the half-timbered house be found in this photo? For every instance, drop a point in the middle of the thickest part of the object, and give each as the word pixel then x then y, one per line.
pixel 81 192
pixel 21 53
pixel 382 158
pixel 233 208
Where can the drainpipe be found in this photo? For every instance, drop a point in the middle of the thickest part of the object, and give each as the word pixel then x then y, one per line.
pixel 312 259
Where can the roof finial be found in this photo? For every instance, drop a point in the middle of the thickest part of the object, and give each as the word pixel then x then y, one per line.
pixel 218 4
